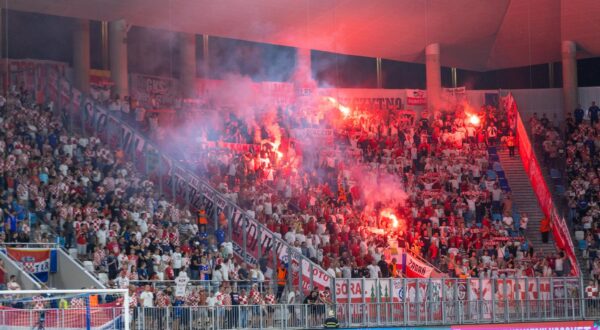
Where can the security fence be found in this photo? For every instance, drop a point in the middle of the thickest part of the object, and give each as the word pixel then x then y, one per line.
pixel 305 316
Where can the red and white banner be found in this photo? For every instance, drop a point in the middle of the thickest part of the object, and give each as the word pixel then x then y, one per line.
pixel 416 268
pixel 34 261
pixel 532 167
pixel 416 97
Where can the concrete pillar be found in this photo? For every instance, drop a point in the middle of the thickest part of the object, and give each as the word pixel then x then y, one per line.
pixel 81 54
pixel 378 72
pixel 569 70
pixel 117 31
pixel 433 76
pixel 205 57
pixel 303 70
pixel 187 63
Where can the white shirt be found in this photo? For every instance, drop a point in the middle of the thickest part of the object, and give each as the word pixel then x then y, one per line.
pixel 176 257
pixel 373 271
pixel 122 282
pixel 147 298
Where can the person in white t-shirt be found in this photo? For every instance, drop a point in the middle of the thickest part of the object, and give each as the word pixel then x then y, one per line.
pixel 122 280
pixel 147 301
pixel 374 270
pixel 177 259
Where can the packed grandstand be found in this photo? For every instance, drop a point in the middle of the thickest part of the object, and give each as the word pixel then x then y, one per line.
pixel 314 210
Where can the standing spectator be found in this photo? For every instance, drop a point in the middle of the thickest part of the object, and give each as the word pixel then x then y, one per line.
pixel 384 268
pixel 523 224
pixel 591 293
pixel 545 229
pixel 510 143
pixel 579 114
pixel 147 301
pixel 374 270
pixel 593 112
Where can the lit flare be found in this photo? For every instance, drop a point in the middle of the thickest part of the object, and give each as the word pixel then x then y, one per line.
pixel 342 108
pixel 389 213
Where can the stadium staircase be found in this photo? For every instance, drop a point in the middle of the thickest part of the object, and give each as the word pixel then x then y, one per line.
pixel 524 200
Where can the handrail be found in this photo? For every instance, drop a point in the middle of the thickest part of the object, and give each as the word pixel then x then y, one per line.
pixel 48 245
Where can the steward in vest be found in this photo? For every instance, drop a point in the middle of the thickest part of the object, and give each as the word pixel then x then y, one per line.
pixel 202 220
pixel 281 279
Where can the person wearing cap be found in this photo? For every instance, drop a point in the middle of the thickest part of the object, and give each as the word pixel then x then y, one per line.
pixel 331 322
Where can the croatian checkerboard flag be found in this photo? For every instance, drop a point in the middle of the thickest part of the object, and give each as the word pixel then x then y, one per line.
pixel 36 262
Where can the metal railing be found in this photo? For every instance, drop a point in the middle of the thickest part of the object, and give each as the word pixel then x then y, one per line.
pixel 311 316
pixel 306 316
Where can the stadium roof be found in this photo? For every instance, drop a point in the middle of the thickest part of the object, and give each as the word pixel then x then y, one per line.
pixel 473 34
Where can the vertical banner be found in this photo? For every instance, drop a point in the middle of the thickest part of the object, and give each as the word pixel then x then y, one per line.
pixel 34 261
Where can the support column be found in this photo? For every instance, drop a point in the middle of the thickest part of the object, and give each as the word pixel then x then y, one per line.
pixel 303 70
pixel 81 54
pixel 433 76
pixel 117 31
pixel 378 73
pixel 569 70
pixel 104 45
pixel 205 57
pixel 187 63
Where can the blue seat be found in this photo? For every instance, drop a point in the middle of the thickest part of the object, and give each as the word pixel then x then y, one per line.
pixel 497 167
pixel 492 150
pixel 555 174
pixel 494 158
pixel 501 174
pixel 491 174
pixel 560 189
pixel 582 244
pixel 496 216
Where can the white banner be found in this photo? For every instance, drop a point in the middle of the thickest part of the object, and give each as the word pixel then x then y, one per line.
pixel 417 268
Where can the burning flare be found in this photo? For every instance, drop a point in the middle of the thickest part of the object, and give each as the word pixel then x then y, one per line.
pixel 342 108
pixel 389 213
pixel 474 120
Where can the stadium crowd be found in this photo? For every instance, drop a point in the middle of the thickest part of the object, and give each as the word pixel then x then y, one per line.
pixel 583 190
pixel 452 213
pixel 459 218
